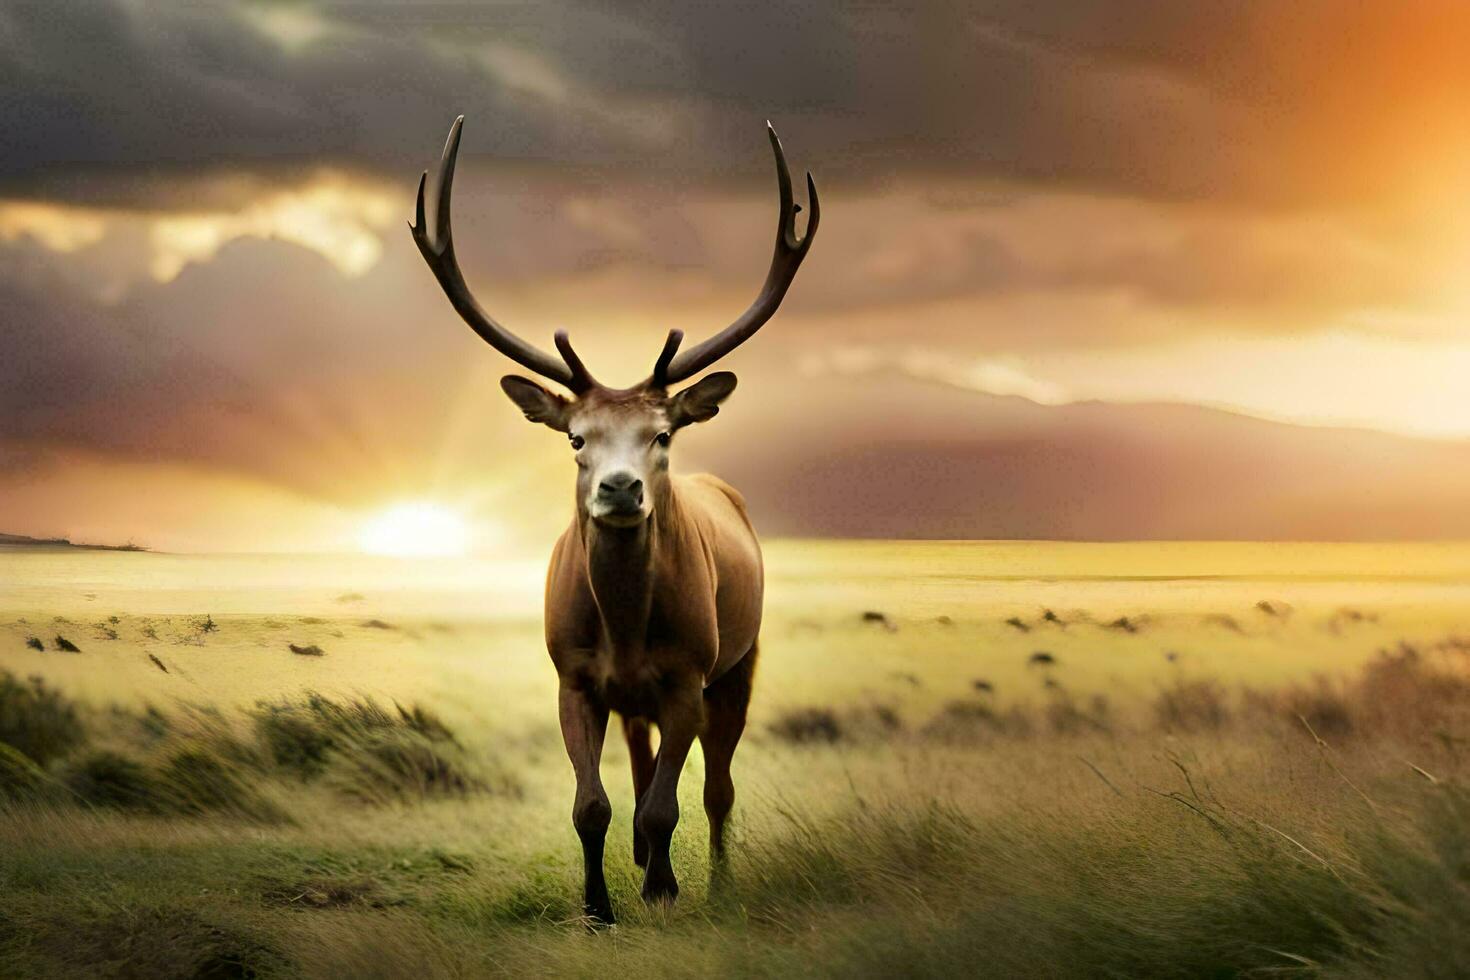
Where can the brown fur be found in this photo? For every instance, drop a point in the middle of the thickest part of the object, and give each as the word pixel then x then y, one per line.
pixel 655 623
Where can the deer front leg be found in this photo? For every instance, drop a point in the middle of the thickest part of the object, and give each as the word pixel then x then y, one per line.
pixel 680 718
pixel 725 703
pixel 640 753
pixel 583 727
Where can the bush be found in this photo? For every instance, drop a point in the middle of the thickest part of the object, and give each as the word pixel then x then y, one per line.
pixel 295 740
pixel 1064 716
pixel 805 726
pixel 1192 706
pixel 1403 694
pixel 20 778
pixel 962 721
pixel 1400 694
pixel 36 720
pixel 109 779
pixel 1324 707
pixel 372 754
pixel 399 766
pixel 194 781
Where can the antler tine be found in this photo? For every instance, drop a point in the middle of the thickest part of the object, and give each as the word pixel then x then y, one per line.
pixel 437 248
pixel 419 225
pixel 660 377
pixel 582 379
pixel 790 251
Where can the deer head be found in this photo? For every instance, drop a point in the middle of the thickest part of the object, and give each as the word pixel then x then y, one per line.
pixel 621 436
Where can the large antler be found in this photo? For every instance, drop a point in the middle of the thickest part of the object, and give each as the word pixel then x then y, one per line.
pixel 438 252
pixel 789 253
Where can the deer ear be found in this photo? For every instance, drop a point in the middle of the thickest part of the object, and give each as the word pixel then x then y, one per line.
pixel 700 402
pixel 539 404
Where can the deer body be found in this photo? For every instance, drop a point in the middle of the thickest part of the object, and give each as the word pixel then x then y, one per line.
pixel 646 621
pixel 654 593
pixel 629 610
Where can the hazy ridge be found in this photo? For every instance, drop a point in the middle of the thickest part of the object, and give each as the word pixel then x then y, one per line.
pixel 981 466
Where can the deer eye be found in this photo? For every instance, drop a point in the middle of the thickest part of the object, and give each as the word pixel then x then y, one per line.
pixel 578 442
pixel 663 439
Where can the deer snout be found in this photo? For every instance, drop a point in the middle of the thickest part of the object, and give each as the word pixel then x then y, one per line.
pixel 621 491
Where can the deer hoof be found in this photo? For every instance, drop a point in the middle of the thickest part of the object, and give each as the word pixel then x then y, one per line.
pixel 660 892
pixel 598 920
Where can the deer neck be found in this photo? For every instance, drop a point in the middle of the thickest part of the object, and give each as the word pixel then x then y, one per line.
pixel 621 569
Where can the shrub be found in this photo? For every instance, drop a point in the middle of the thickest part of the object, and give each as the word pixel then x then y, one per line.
pixel 20 778
pixel 969 720
pixel 372 754
pixel 36 720
pixel 1402 693
pixel 194 781
pixel 109 779
pixel 1191 706
pixel 805 726
pixel 425 722
pixel 396 766
pixel 1065 716
pixel 1323 707
pixel 295 740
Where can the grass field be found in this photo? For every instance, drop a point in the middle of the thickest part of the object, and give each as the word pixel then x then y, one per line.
pixel 1235 758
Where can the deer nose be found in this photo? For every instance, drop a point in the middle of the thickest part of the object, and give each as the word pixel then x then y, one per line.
pixel 624 485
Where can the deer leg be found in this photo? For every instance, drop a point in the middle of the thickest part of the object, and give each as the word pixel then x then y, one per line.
pixel 583 728
pixel 681 715
pixel 640 752
pixel 725 703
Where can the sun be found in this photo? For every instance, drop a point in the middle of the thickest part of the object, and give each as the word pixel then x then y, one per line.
pixel 416 528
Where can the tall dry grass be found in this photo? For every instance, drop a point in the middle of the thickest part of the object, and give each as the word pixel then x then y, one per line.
pixel 1313 829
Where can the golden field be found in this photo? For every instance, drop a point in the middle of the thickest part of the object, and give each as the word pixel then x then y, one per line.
pixel 1240 757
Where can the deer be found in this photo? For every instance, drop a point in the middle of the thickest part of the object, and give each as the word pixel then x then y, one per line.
pixel 655 590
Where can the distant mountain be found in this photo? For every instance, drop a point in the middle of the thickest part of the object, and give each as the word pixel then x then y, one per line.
pixel 21 540
pixel 957 463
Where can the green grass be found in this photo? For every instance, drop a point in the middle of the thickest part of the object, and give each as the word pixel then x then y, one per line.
pixel 1204 832
pixel 1217 789
pixel 36 720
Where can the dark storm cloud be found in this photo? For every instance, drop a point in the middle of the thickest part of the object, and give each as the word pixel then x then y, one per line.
pixel 999 176
pixel 170 87
pixel 214 369
pixel 1153 98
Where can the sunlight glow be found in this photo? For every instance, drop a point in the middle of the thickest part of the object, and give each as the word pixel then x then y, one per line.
pixel 58 227
pixel 415 529
pixel 337 218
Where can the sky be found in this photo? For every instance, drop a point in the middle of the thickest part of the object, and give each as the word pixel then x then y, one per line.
pixel 216 333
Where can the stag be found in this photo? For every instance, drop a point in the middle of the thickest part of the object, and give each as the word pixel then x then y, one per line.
pixel 654 594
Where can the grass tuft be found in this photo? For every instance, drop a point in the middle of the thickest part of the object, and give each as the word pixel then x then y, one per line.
pixel 400 766
pixel 1192 706
pixel 36 720
pixel 971 720
pixel 808 726
pixel 135 939
pixel 20 777
pixel 1197 832
pixel 109 779
pixel 372 754
pixel 195 781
